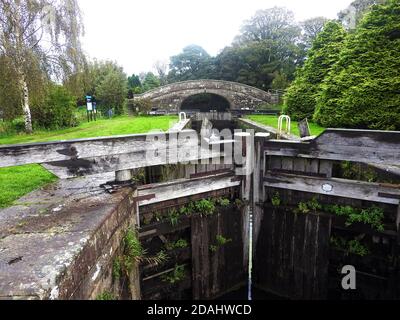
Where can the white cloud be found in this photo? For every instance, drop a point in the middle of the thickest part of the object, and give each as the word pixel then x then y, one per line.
pixel 138 33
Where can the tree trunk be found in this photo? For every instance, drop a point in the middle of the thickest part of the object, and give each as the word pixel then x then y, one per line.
pixel 25 105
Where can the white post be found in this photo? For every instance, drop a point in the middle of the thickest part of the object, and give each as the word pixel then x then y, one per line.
pixel 280 125
pixel 182 116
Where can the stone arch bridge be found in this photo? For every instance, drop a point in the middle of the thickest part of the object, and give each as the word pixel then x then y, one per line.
pixel 170 97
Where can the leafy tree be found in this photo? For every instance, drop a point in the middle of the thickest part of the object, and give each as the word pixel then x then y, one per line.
pixel 56 110
pixel 268 45
pixel 112 90
pixel 134 86
pixel 193 63
pixel 311 28
pixel 150 82
pixel 302 94
pixel 277 24
pixel 362 90
pixel 40 33
pixel 352 15
pixel 87 80
pixel 280 81
pixel 257 63
pixel 134 81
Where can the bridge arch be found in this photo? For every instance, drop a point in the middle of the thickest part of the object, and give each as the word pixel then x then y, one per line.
pixel 205 102
pixel 172 96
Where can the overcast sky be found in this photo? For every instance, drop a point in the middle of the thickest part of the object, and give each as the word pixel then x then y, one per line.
pixel 137 33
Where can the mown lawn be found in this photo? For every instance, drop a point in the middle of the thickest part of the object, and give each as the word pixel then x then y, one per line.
pixel 101 128
pixel 18 181
pixel 272 121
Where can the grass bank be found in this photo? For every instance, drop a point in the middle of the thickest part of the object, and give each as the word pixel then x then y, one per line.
pixel 272 121
pixel 18 181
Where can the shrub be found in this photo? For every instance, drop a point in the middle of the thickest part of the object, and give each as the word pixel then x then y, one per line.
pixel 362 90
pixel 301 97
pixel 57 110
pixel 139 106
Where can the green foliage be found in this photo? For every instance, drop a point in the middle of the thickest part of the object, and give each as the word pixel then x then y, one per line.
pixel 356 171
pixel 361 90
pixel 276 199
pixel 18 181
pixel 117 268
pixel 280 81
pixel 106 295
pixel 372 216
pixel 223 202
pixel 239 203
pixel 220 241
pixel 134 84
pixel 176 275
pixel 314 205
pixel 355 247
pixel 193 63
pixel 272 121
pixel 179 244
pixel 309 206
pixel 205 207
pixel 173 216
pixel 133 252
pixel 56 111
pixel 112 91
pixel 150 82
pixel 302 208
pixel 350 247
pixel 302 94
pixel 139 106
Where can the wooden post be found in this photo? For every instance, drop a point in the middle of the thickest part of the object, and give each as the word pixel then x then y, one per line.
pixel 243 141
pixel 304 128
pixel 123 175
pixel 258 184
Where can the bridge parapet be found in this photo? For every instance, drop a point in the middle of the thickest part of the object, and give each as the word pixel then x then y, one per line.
pixel 238 95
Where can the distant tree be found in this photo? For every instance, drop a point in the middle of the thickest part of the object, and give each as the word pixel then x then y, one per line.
pixel 257 63
pixel 134 81
pixel 267 45
pixel 88 79
pixel 40 33
pixel 362 89
pixel 134 86
pixel 311 28
pixel 324 53
pixel 150 82
pixel 56 110
pixel 193 63
pixel 162 71
pixel 112 91
pixel 280 81
pixel 352 15
pixel 276 24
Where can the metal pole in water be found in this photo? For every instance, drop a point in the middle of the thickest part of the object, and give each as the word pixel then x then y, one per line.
pixel 249 295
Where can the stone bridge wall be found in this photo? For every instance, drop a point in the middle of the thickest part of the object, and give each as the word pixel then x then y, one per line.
pixel 239 95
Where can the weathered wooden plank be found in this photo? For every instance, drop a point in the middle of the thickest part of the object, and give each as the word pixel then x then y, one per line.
pixel 183 188
pixel 287 163
pixel 110 163
pixel 14 155
pixel 325 167
pixel 200 257
pixel 312 165
pixel 333 187
pixel 367 146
